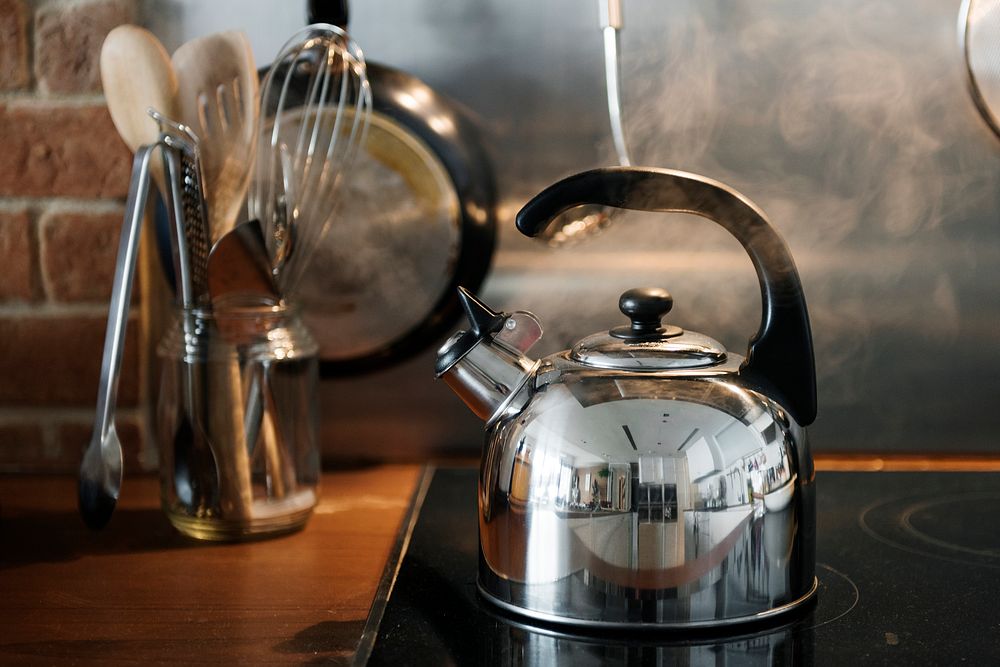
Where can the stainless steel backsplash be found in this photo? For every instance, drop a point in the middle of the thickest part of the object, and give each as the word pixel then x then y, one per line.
pixel 848 122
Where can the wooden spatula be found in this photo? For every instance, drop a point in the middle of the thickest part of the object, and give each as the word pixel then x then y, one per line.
pixel 217 98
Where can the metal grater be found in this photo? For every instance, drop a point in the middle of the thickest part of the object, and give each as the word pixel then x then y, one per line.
pixel 186 209
pixel 195 230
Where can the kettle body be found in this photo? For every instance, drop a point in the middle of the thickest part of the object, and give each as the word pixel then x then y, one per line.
pixel 646 477
pixel 614 499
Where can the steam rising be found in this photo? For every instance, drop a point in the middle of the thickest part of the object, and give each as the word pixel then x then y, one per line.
pixel 836 112
pixel 847 121
pixel 849 124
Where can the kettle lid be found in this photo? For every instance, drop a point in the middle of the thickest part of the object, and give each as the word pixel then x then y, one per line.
pixel 646 344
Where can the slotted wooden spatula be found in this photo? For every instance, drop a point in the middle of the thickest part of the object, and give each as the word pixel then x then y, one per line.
pixel 217 98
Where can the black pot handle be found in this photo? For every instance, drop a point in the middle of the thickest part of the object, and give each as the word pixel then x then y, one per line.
pixel 334 12
pixel 780 357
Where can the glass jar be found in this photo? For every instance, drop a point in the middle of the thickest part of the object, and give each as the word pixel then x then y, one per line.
pixel 237 422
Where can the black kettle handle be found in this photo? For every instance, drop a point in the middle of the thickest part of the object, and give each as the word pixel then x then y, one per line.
pixel 780 357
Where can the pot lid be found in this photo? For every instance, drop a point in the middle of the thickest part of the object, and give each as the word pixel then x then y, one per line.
pixel 646 344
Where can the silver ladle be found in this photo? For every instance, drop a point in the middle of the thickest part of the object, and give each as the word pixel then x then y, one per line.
pixel 583 221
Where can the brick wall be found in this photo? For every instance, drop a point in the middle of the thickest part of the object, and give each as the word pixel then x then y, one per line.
pixel 64 174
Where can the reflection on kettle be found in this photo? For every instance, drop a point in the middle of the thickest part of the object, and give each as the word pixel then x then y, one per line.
pixel 647 477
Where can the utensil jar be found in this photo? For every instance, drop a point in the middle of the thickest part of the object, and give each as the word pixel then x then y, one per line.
pixel 237 422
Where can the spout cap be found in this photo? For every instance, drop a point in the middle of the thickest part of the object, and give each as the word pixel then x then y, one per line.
pixel 483 321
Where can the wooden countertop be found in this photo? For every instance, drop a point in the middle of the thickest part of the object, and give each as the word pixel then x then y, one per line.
pixel 140 592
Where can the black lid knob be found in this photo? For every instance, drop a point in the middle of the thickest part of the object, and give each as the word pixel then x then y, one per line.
pixel 645 306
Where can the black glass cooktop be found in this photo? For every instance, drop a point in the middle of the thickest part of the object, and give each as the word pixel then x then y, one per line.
pixel 908 567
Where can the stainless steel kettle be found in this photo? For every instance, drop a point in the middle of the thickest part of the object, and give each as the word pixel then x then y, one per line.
pixel 647 477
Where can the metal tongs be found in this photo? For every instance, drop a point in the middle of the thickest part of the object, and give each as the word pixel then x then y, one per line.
pixel 101 469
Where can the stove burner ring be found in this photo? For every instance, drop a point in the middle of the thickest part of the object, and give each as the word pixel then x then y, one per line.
pixel 922 527
pixel 836 592
pixel 837 597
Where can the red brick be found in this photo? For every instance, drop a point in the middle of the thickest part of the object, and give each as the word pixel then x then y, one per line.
pixel 68 39
pixel 56 361
pixel 13 45
pixel 21 447
pixel 73 438
pixel 17 257
pixel 78 255
pixel 53 150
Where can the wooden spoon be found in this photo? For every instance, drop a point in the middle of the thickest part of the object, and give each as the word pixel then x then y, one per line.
pixel 218 99
pixel 137 74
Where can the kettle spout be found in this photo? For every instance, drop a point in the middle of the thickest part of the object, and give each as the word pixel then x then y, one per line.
pixel 486 365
